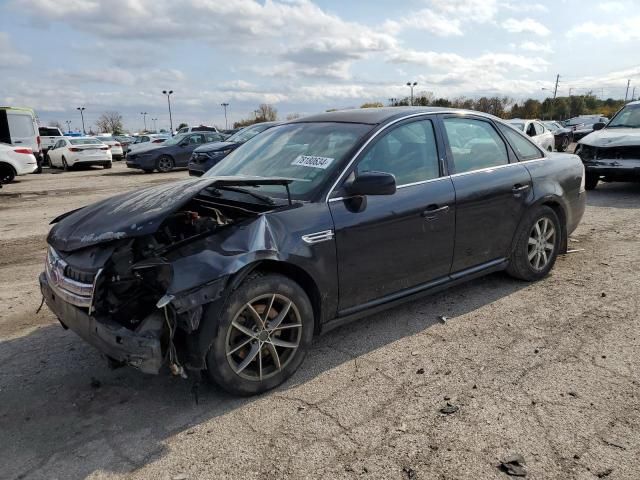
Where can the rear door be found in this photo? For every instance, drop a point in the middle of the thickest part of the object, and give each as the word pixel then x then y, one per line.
pixel 23 129
pixel 491 190
pixel 390 243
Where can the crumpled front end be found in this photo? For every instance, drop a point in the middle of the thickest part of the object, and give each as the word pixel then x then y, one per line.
pixel 140 300
pixel 620 162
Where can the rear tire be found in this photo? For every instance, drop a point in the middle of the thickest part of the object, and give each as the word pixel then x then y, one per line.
pixel 565 144
pixel 536 245
pixel 65 165
pixel 165 164
pixel 107 165
pixel 591 181
pixel 7 173
pixel 249 354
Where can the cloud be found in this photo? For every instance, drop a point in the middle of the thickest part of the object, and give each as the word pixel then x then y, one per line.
pixel 472 10
pixel 521 7
pixel 427 20
pixel 536 47
pixel 526 25
pixel 9 57
pixel 625 31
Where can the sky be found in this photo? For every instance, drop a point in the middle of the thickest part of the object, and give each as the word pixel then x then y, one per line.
pixel 303 56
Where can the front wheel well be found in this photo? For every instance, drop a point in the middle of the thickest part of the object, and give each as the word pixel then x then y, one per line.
pixel 559 211
pixel 295 273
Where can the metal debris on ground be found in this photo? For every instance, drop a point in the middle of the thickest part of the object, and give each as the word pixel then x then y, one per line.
pixel 575 250
pixel 409 472
pixel 442 318
pixel 514 465
pixel 402 428
pixel 449 409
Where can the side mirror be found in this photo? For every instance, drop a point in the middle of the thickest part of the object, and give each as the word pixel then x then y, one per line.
pixel 184 143
pixel 599 125
pixel 373 183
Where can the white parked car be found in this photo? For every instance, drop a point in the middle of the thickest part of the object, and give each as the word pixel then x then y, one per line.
pixel 71 151
pixel 48 138
pixel 15 161
pixel 540 134
pixel 147 140
pixel 116 147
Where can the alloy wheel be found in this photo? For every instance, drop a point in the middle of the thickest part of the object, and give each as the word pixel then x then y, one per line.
pixel 263 337
pixel 541 244
pixel 165 164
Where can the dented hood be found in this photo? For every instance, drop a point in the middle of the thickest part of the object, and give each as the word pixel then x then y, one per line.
pixel 136 213
pixel 613 137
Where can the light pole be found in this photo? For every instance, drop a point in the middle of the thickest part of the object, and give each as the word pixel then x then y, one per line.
pixel 155 128
pixel 144 119
pixel 68 122
pixel 411 85
pixel 168 94
pixel 225 105
pixel 82 109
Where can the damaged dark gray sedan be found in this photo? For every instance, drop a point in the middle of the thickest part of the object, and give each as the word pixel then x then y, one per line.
pixel 309 225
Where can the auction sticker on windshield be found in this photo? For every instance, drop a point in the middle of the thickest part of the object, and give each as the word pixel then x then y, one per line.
pixel 313 162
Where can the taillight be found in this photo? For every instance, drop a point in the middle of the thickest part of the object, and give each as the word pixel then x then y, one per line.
pixel 105 148
pixel 73 149
pixel 26 151
pixel 157 141
pixel 117 144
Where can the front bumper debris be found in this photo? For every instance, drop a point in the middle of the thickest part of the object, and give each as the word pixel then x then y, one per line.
pixel 141 348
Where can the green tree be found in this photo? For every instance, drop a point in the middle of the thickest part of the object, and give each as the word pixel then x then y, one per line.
pixel 182 125
pixel 371 105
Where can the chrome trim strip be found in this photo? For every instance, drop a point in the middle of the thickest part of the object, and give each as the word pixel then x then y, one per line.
pixel 336 199
pixel 317 237
pixel 355 155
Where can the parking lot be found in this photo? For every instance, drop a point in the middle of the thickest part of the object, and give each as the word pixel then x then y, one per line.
pixel 549 371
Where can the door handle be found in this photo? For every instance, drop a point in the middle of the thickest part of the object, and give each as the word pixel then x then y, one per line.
pixel 518 189
pixel 432 211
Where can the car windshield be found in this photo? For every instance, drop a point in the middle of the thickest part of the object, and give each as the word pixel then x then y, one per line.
pixel 628 117
pixel 85 141
pixel 309 153
pixel 517 125
pixel 580 121
pixel 171 141
pixel 247 133
pixel 106 139
pixel 552 126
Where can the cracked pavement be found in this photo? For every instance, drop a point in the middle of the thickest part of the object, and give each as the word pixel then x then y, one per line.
pixel 546 370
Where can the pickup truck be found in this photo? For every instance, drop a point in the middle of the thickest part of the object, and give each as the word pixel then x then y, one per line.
pixel 48 138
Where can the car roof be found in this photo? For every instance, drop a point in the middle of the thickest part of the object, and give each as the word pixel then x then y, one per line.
pixel 374 116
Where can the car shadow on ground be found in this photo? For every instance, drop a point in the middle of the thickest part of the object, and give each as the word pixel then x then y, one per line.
pixel 615 195
pixel 64 414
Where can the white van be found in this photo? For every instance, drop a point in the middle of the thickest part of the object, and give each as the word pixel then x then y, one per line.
pixel 18 126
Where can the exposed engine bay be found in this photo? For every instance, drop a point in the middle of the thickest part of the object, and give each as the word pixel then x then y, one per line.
pixel 137 299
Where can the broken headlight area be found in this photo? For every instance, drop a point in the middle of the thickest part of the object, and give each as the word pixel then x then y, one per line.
pixel 140 311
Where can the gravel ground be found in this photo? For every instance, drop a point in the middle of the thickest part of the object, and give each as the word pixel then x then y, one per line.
pixel 547 370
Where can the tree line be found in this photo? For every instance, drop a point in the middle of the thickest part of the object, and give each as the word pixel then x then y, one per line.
pixel 559 108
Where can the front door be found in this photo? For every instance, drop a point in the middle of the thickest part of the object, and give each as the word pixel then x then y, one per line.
pixel 386 244
pixel 186 148
pixel 491 192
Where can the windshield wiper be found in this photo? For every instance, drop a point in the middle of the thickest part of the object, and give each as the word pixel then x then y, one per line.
pixel 259 196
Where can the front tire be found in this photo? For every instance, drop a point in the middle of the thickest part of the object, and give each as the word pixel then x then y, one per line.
pixel 264 331
pixel 536 247
pixel 591 181
pixel 65 165
pixel 107 165
pixel 7 174
pixel 565 144
pixel 165 164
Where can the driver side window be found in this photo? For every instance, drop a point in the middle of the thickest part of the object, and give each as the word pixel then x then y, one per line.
pixel 408 152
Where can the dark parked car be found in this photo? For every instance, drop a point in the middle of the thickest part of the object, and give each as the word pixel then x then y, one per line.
pixel 563 135
pixel 206 156
pixel 612 151
pixel 583 125
pixel 170 154
pixel 307 226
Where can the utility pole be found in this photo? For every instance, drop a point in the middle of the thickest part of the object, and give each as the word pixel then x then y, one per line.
pixel 627 92
pixel 555 90
pixel 144 118
pixel 226 124
pixel 633 95
pixel 155 127
pixel 68 122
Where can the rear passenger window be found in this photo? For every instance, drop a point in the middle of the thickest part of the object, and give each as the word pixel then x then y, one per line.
pixel 408 152
pixel 522 146
pixel 475 144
